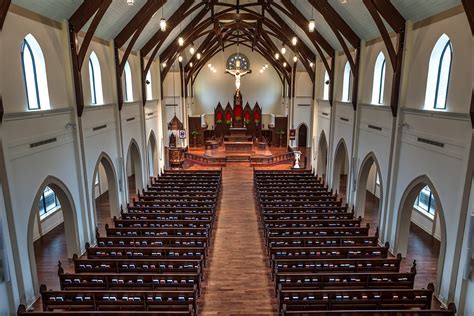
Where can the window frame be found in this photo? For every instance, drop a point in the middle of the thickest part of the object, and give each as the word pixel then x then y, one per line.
pixel 348 72
pixel 440 65
pixel 92 83
pixel 47 212
pixel 127 68
pixel 431 202
pixel 26 44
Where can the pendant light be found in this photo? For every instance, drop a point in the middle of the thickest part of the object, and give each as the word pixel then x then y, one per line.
pixel 130 2
pixel 162 21
pixel 294 41
pixel 312 23
pixel 277 56
pixel 198 56
pixel 283 49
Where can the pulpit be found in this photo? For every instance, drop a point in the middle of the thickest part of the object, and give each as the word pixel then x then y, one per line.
pixel 176 157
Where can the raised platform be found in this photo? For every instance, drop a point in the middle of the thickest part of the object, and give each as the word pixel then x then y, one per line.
pixel 238 147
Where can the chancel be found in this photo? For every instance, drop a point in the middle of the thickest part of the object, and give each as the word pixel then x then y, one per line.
pixel 237 157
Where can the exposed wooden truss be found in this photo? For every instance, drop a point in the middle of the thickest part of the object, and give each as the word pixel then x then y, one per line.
pixel 87 10
pixel 342 31
pixel 469 9
pixel 4 5
pixel 381 9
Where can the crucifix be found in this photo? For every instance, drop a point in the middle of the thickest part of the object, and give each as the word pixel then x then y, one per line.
pixel 237 73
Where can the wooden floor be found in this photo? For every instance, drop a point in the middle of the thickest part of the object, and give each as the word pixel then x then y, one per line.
pixel 237 278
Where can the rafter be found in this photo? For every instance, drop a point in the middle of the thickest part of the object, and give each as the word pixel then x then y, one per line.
pixel 469 9
pixel 4 5
pixel 159 37
pixel 384 9
pixel 134 28
pixel 87 10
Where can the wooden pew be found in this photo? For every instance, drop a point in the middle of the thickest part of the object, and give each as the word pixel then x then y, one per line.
pixel 451 311
pixel 343 299
pixel 22 311
pixel 114 281
pixel 337 265
pixel 323 241
pixel 344 280
pixel 95 300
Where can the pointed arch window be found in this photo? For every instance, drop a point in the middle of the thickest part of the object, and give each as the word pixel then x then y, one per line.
pixel 128 83
pixel 34 74
pixel 149 92
pixel 326 86
pixel 95 80
pixel 346 83
pixel 439 73
pixel 379 79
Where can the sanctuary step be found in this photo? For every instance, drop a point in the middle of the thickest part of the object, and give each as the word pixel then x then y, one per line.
pixel 237 158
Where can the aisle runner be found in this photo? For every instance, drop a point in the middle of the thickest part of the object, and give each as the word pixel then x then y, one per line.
pixel 237 281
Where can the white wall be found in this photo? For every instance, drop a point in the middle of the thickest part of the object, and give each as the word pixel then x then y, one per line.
pixel 211 88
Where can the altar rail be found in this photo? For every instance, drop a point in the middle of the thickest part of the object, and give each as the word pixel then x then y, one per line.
pixel 272 160
pixel 205 160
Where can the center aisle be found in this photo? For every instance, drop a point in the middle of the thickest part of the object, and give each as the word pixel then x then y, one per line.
pixel 237 280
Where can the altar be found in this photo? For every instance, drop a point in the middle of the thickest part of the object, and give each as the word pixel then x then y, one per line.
pixel 238 147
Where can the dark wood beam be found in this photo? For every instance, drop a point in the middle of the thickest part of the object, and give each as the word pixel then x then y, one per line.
pixel 159 37
pixel 173 47
pixel 390 14
pixel 469 9
pixel 84 13
pixel 331 80
pixel 4 5
pixel 145 12
pixel 331 16
pixel 134 28
pixel 318 40
pixel 295 14
pixel 1 109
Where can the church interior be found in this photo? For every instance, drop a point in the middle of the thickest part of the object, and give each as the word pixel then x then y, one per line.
pixel 237 157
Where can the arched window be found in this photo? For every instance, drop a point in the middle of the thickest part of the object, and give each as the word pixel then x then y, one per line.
pixel 95 79
pixel 425 201
pixel 128 83
pixel 379 79
pixel 439 73
pixel 48 202
pixel 326 86
pixel 34 74
pixel 149 93
pixel 346 83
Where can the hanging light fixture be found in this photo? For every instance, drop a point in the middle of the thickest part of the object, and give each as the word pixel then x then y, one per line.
pixel 191 64
pixel 284 64
pixel 191 49
pixel 295 59
pixel 277 56
pixel 311 64
pixel 283 49
pixel 294 41
pixel 214 70
pixel 130 2
pixel 311 25
pixel 164 64
pixel 261 70
pixel 163 24
pixel 209 65
pixel 266 66
pixel 180 58
pixel 162 21
pixel 198 56
pixel 180 41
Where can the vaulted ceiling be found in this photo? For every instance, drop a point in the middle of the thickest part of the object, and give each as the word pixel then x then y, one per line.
pixel 263 25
